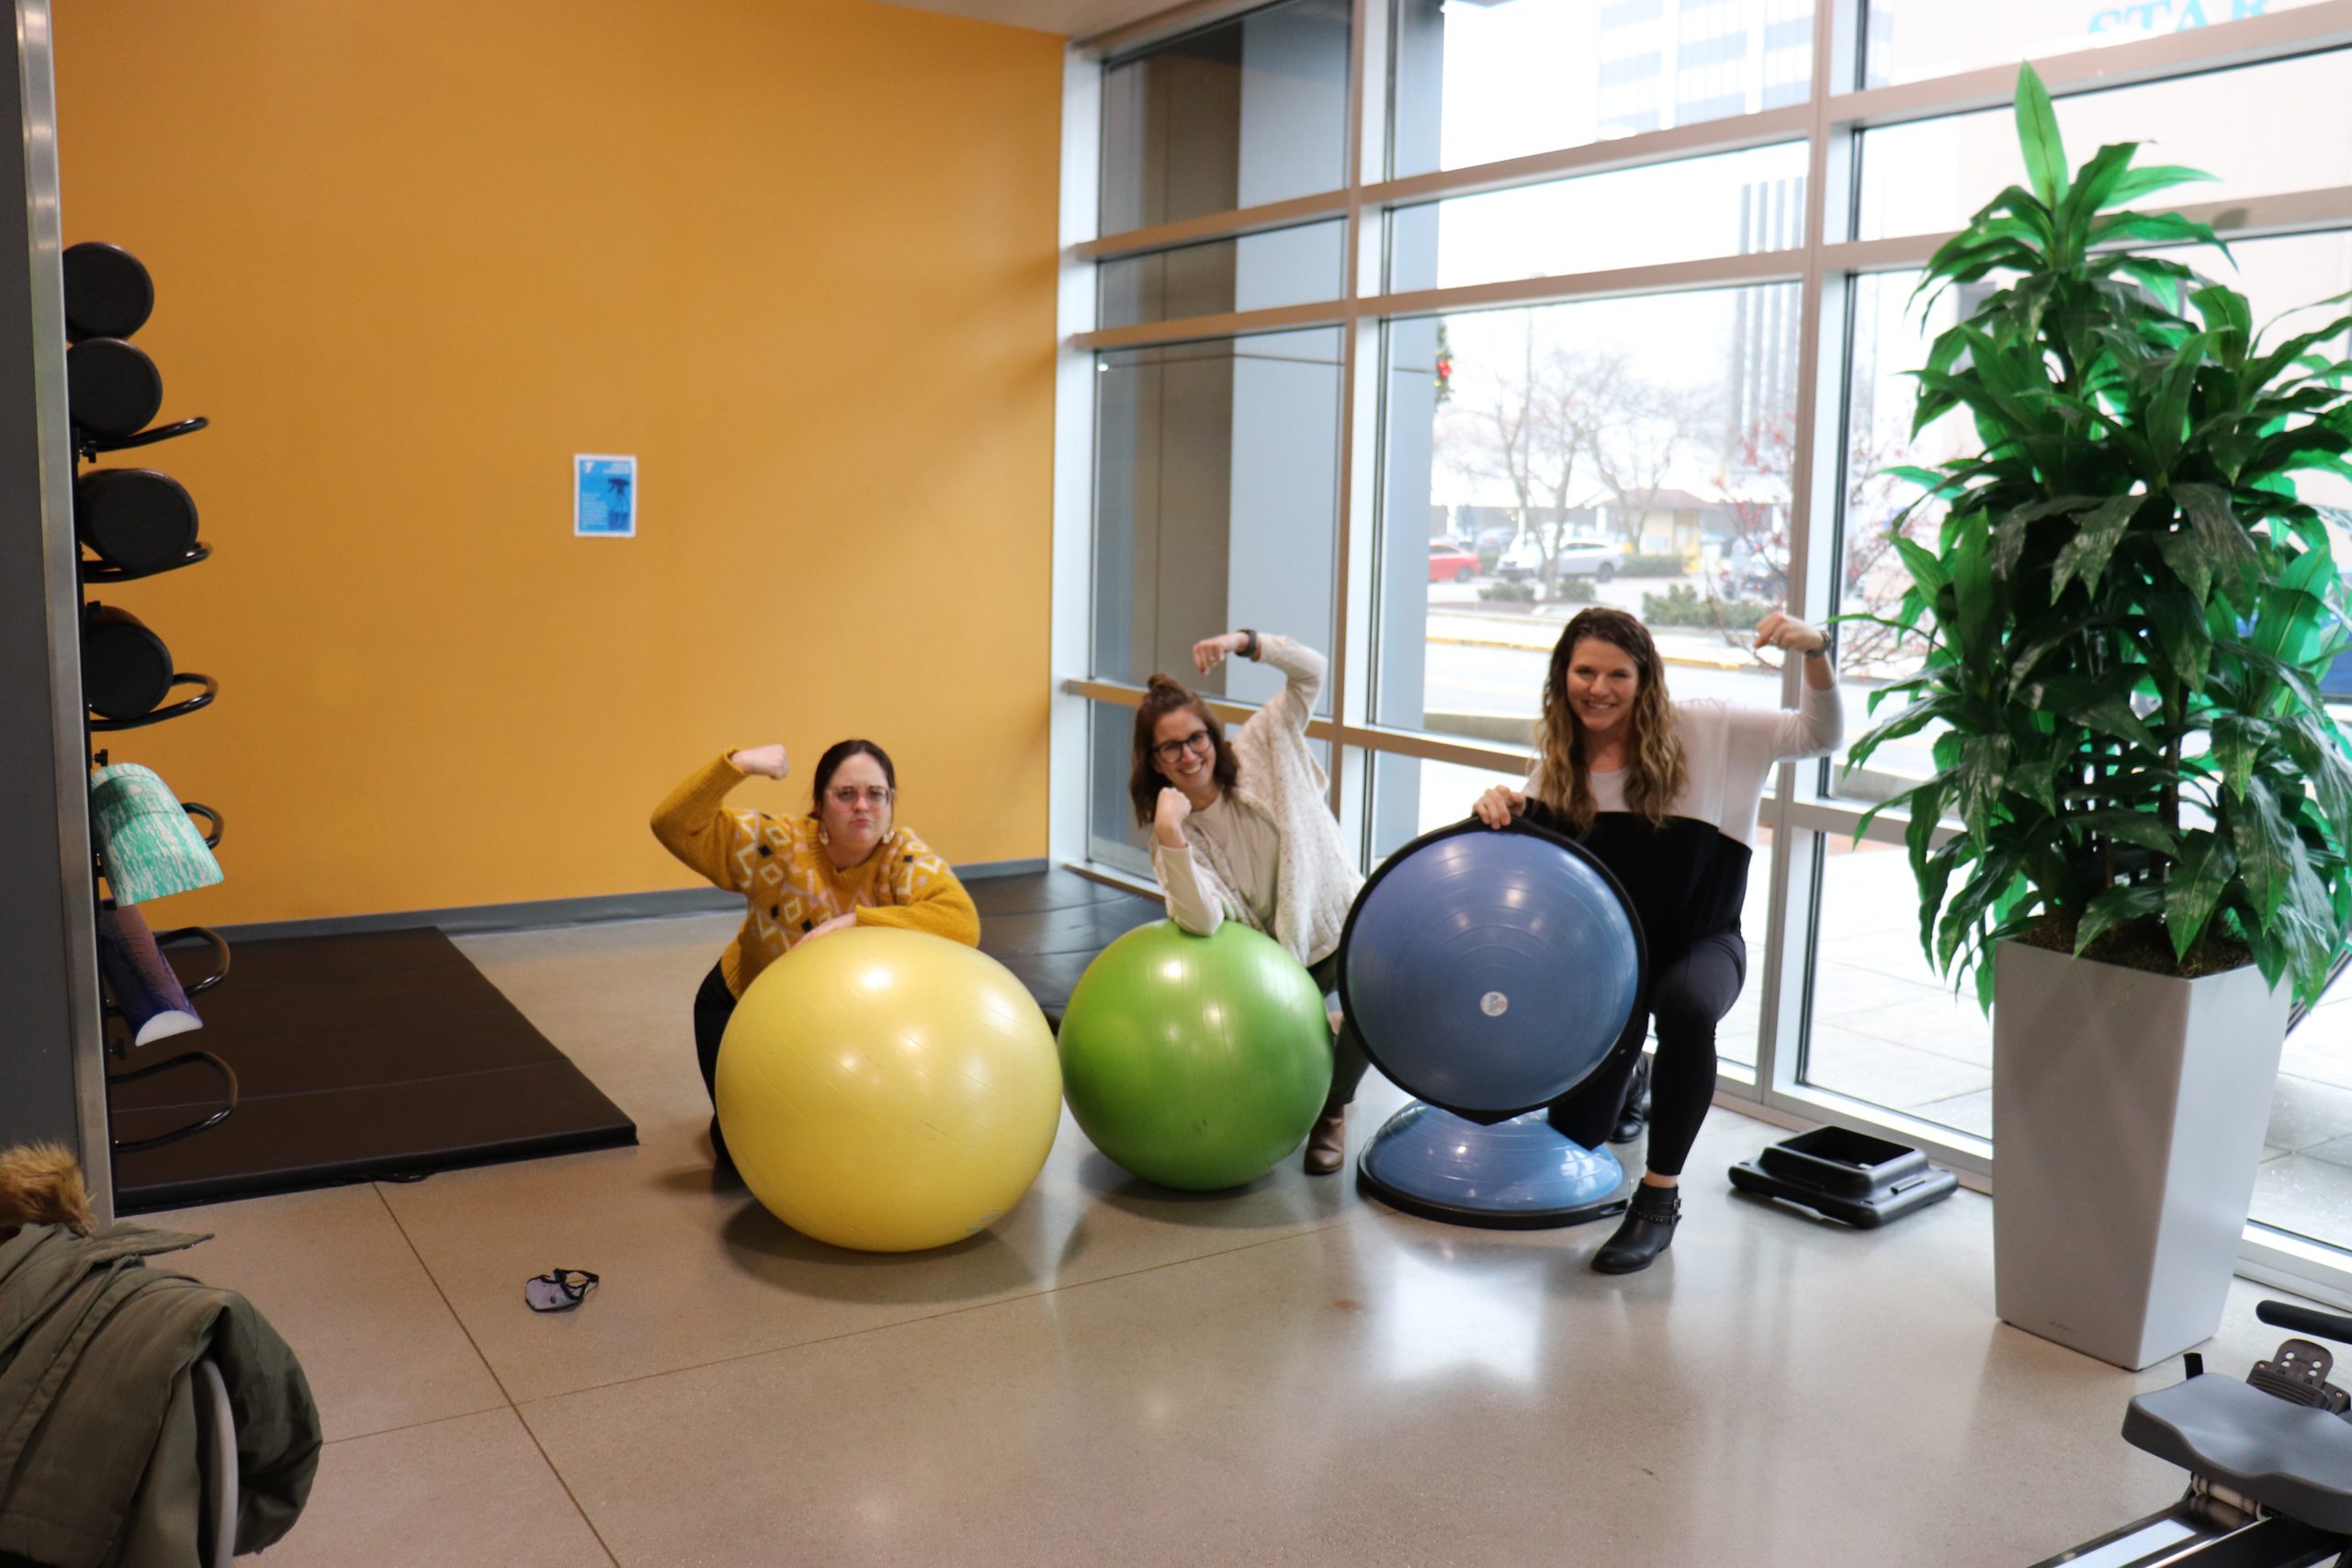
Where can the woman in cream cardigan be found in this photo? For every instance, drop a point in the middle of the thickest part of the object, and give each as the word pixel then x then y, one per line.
pixel 1241 830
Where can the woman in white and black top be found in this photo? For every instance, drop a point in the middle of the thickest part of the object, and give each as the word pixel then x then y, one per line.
pixel 1242 831
pixel 1665 794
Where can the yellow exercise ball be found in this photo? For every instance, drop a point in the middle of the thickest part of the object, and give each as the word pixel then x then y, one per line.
pixel 888 1091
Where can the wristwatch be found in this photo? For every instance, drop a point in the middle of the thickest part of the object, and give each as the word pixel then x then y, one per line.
pixel 1251 650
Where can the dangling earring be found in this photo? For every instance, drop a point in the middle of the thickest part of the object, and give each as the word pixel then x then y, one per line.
pixel 824 834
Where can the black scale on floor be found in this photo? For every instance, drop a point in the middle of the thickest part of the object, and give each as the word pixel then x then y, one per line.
pixel 388 1055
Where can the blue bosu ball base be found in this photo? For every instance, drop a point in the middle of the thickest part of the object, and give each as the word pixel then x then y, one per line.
pixel 1514 1175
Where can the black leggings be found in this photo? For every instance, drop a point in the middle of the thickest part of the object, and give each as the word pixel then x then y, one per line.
pixel 1688 998
pixel 714 1005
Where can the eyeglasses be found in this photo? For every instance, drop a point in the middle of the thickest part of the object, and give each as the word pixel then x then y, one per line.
pixel 850 795
pixel 1168 750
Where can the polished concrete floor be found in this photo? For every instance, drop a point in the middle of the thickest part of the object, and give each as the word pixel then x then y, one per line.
pixel 1118 1375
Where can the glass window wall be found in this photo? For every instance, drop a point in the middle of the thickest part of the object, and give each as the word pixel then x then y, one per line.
pixel 1476 81
pixel 1926 177
pixel 1732 204
pixel 1911 40
pixel 1249 111
pixel 1215 500
pixel 1257 272
pixel 1633 453
pixel 1478 436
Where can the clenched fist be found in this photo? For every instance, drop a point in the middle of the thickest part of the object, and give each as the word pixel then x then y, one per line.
pixel 768 761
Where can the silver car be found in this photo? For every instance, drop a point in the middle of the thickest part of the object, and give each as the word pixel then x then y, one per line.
pixel 1596 558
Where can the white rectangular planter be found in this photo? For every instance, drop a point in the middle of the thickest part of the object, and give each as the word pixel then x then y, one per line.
pixel 2127 1117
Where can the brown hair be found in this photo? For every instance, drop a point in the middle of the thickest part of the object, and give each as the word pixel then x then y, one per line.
pixel 1655 772
pixel 829 765
pixel 1161 697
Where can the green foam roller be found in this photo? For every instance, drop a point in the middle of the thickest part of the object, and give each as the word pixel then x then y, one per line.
pixel 149 847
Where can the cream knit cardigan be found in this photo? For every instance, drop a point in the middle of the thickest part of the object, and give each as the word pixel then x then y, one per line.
pixel 1315 879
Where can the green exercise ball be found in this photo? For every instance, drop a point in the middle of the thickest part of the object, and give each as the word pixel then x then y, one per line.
pixel 1195 1062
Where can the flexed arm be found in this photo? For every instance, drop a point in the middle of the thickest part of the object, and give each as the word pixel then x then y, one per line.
pixel 1303 668
pixel 1819 723
pixel 693 822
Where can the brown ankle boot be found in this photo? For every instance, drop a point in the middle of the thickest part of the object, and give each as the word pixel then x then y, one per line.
pixel 1327 1145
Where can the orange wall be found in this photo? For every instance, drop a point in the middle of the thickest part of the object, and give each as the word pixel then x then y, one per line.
pixel 798 255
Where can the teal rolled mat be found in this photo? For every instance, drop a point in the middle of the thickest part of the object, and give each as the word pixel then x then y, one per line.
pixel 149 847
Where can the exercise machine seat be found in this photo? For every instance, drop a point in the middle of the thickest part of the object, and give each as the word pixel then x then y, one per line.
pixel 2290 1458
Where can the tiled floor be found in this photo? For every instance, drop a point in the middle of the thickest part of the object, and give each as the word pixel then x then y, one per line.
pixel 1116 1375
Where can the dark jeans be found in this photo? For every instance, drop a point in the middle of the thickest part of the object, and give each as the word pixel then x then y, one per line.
pixel 1686 998
pixel 1347 1060
pixel 714 1005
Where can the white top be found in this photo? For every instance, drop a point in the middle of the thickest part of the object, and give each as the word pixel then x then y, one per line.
pixel 1251 847
pixel 1730 752
pixel 1268 852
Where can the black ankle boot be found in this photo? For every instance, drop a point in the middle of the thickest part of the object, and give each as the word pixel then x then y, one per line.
pixel 1636 1113
pixel 1647 1230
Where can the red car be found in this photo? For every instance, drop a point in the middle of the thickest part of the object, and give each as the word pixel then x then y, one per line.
pixel 1451 563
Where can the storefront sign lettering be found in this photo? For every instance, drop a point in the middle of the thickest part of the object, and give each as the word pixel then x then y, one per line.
pixel 2174 15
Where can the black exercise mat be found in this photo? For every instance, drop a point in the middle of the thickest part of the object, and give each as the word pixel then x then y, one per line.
pixel 1033 891
pixel 1047 927
pixel 365 1057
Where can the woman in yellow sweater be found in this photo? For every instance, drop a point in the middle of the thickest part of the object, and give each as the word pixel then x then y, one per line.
pixel 845 864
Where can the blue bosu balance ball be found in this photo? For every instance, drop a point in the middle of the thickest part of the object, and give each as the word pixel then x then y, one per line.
pixel 1489 972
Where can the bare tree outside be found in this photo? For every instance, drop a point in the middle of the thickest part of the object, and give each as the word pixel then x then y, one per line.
pixel 1652 431
pixel 1871 580
pixel 1560 427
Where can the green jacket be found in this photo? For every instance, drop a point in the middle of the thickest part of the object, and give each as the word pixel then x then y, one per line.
pixel 97 1408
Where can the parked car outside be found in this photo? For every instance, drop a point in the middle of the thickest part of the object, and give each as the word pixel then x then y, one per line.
pixel 1596 558
pixel 1448 562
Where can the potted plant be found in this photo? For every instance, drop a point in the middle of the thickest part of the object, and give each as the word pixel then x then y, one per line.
pixel 2125 612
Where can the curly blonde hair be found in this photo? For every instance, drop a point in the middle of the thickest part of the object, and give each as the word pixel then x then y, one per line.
pixel 1654 770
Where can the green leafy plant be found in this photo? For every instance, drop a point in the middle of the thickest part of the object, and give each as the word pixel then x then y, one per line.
pixel 2127 606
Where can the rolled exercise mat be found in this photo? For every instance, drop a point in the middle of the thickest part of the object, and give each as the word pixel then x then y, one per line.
pixel 141 977
pixel 111 388
pixel 136 519
pixel 107 291
pixel 126 669
pixel 149 847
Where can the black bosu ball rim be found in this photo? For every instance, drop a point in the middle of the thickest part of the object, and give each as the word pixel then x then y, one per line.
pixel 1409 1203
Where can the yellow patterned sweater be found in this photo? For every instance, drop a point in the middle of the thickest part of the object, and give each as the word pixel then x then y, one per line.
pixel 788 884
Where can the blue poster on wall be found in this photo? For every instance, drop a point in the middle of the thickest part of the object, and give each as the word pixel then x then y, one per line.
pixel 603 496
